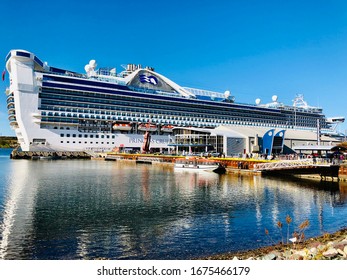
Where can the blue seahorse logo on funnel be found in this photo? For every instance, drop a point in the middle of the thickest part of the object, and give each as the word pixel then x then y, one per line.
pixel 148 79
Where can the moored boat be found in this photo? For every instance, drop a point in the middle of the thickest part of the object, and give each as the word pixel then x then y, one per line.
pixel 199 164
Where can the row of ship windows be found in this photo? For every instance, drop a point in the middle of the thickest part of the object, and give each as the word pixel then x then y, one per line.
pixel 87 113
pixel 142 106
pixel 97 97
pixel 174 122
pixel 102 117
pixel 179 120
pixel 50 114
pixel 121 111
pixel 110 103
pixel 299 121
pixel 67 95
pixel 107 117
pixel 86 142
pixel 90 97
pixel 169 115
pixel 268 119
pixel 86 136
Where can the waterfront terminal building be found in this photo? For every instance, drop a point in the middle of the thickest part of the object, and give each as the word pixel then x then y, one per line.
pixel 240 140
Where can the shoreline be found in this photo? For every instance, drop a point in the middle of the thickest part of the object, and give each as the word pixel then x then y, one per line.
pixel 330 246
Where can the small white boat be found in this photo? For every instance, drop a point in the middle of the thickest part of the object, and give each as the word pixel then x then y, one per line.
pixel 197 164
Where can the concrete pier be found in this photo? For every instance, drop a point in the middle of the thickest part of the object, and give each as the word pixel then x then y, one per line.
pixel 48 155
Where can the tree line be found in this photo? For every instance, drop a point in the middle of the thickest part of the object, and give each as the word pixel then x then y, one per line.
pixel 8 142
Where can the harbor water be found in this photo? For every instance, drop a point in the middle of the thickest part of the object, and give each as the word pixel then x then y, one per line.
pixel 91 209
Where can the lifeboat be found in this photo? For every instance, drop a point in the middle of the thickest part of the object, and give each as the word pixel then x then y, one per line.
pixel 122 126
pixel 167 128
pixel 147 127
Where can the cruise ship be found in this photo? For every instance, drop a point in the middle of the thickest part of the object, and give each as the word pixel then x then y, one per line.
pixel 61 110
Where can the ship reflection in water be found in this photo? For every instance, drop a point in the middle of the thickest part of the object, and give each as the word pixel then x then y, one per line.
pixel 120 210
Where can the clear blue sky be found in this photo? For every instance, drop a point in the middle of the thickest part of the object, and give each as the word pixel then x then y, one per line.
pixel 255 49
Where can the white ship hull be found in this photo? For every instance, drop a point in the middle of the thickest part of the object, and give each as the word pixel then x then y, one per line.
pixel 104 142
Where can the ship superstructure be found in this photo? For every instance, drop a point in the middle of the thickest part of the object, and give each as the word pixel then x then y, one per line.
pixel 56 109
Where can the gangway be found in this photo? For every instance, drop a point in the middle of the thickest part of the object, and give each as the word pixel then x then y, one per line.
pixel 148 160
pixel 298 167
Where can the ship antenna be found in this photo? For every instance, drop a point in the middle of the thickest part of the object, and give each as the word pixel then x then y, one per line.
pixel 299 101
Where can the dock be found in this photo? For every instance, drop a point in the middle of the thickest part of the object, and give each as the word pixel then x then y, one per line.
pixel 316 167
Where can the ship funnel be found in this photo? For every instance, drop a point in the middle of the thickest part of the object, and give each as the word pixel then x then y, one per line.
pixel 90 68
pixel 113 71
pixel 45 65
pixel 92 64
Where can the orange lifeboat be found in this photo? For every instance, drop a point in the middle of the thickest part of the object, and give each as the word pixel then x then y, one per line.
pixel 122 126
pixel 167 128
pixel 147 127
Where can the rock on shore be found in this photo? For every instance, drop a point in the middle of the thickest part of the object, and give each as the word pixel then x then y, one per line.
pixel 326 247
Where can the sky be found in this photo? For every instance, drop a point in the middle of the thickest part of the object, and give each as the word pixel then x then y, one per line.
pixel 255 49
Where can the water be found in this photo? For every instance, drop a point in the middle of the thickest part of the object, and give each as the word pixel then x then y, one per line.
pixel 81 209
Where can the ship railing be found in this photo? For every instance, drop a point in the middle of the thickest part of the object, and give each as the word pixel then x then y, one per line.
pixel 66 73
pixel 99 77
pixel 91 153
pixel 303 109
pixel 291 164
pixel 203 92
pixel 114 157
pixel 153 91
pixel 150 159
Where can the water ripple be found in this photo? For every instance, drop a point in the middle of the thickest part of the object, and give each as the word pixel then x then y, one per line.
pixel 94 209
